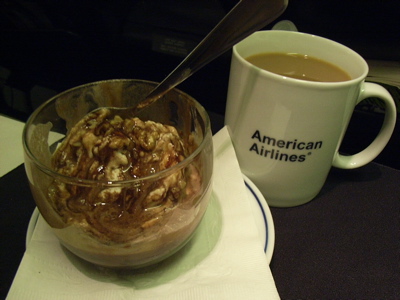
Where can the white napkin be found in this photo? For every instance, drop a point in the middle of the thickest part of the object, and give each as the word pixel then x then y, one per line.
pixel 224 260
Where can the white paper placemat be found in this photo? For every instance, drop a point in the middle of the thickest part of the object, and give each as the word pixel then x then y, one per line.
pixel 11 154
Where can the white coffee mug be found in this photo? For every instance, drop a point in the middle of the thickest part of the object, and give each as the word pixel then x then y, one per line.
pixel 286 131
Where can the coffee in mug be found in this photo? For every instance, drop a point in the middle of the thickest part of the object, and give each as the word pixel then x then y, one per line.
pixel 287 125
pixel 299 66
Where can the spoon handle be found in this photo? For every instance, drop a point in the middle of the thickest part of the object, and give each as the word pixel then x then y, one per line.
pixel 246 17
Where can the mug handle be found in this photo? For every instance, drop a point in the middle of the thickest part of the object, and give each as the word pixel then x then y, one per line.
pixel 372 151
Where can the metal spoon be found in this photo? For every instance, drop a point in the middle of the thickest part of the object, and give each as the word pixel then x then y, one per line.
pixel 245 17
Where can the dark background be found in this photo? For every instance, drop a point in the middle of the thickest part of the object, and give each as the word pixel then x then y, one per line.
pixel 47 46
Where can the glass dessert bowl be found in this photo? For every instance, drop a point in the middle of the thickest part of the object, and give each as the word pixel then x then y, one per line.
pixel 120 192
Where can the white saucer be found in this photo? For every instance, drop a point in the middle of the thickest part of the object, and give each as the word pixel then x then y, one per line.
pixel 262 217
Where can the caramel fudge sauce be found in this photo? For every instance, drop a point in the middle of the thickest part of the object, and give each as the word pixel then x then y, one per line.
pixel 116 150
